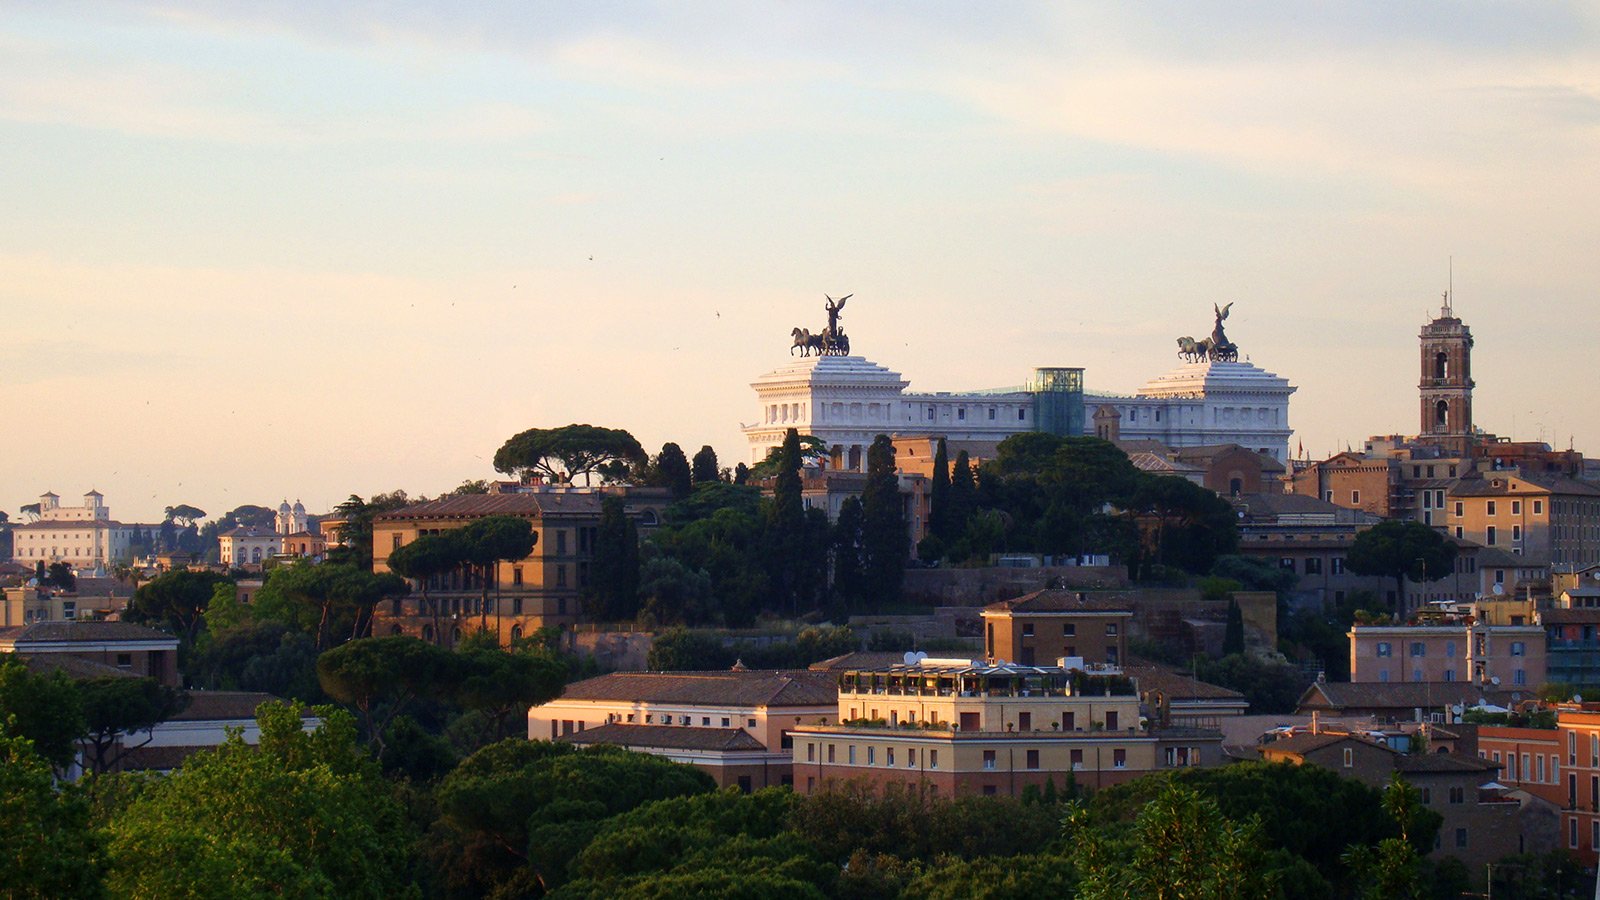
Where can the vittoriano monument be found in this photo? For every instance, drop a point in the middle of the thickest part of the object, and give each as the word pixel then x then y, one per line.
pixel 1217 347
pixel 831 341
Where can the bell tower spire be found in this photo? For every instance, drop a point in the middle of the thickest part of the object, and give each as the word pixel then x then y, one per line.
pixel 1446 385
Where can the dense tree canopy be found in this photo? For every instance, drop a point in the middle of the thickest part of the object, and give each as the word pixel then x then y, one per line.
pixel 304 815
pixel 1402 550
pixel 177 600
pixel 47 710
pixel 562 454
pixel 47 848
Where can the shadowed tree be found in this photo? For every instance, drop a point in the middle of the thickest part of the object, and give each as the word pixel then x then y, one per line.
pixel 424 558
pixel 562 454
pixel 50 849
pixel 489 541
pixel 672 470
pixel 705 465
pixel 45 709
pixel 939 520
pixel 883 526
pixel 175 599
pixel 381 676
pixel 1402 550
pixel 613 592
pixel 116 709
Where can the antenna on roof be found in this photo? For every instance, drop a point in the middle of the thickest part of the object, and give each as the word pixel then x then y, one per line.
pixel 1448 312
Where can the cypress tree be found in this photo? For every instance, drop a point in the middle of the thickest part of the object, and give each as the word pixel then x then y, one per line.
pixel 672 471
pixel 847 551
pixel 705 465
pixel 939 495
pixel 883 526
pixel 613 593
pixel 963 498
pixel 785 538
pixel 1233 634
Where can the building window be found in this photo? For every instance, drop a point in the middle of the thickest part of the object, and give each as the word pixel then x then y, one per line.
pixel 1490 508
pixel 1418 649
pixel 988 759
pixel 1119 758
pixel 1032 759
pixel 561 576
pixel 1459 508
pixel 1111 630
pixel 1516 507
pixel 1516 533
pixel 1461 837
pixel 1027 630
pixel 1355 497
pixel 1458 795
pixel 1349 758
pixel 872 756
pixel 1489 535
pixel 1450 649
pixel 1313 565
pixel 1069 630
pixel 516 576
pixel 811 752
pixel 1538 507
pixel 1383 648
pixel 1519 648
pixel 1336 566
pixel 933 759
pixel 1449 674
pixel 888 755
pixel 851 753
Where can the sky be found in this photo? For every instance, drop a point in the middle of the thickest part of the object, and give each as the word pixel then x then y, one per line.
pixel 252 251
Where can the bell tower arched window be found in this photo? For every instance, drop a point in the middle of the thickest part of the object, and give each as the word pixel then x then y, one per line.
pixel 1441 365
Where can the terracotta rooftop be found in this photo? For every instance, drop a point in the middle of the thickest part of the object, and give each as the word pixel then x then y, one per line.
pixel 1406 695
pixel 208 706
pixel 665 737
pixel 74 667
pixel 1443 762
pixel 1307 742
pixel 1486 487
pixel 727 688
pixel 474 505
pixel 1176 685
pixel 1064 601
pixel 860 659
pixel 88 632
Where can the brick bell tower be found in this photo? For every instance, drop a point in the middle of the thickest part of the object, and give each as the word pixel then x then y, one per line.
pixel 1447 382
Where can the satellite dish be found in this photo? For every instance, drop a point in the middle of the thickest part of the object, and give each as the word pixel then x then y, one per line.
pixel 1596 574
pixel 1495 680
pixel 1577 698
pixel 910 658
pixel 1499 589
pixel 921 656
pixel 1457 709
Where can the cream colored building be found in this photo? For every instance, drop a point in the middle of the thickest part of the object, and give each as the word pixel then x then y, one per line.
pixel 1550 519
pixel 249 546
pixel 733 724
pixel 956 726
pixel 84 537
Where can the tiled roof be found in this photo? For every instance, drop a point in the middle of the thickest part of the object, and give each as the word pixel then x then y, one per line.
pixel 250 531
pixel 1443 762
pixel 1485 486
pixel 1145 461
pixel 75 667
pixel 1208 452
pixel 1055 601
pixel 206 706
pixel 1174 684
pixel 52 632
pixel 473 505
pixel 1279 504
pixel 1499 557
pixel 156 759
pixel 665 737
pixel 1405 695
pixel 1579 616
pixel 1307 742
pixel 860 659
pixel 729 688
